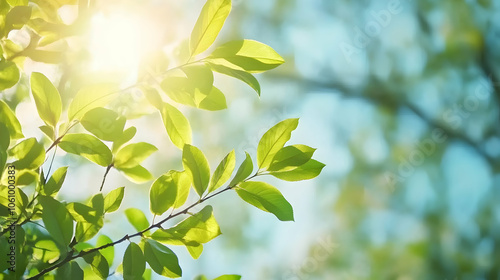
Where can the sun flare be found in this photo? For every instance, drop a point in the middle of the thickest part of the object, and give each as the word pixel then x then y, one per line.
pixel 118 41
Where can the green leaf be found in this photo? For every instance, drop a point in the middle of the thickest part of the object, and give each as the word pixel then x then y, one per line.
pixel 17 2
pixel 98 264
pixel 47 99
pixel 82 213
pixel 177 125
pixel 201 277
pixel 113 200
pixel 4 137
pixel 3 160
pixel 104 123
pixel 200 76
pixel 290 157
pixel 244 170
pixel 108 252
pixel 228 277
pixel 46 251
pixel 248 55
pixel 126 136
pixel 89 98
pixel 17 18
pixel 196 164
pixel 57 220
pixel 54 184
pixel 137 174
pixel 137 218
pixel 134 263
pixel 48 131
pixel 70 270
pixel 199 228
pixel 223 172
pixel 161 259
pixel 153 96
pixel 132 155
pixel 180 90
pixel 97 203
pixel 273 140
pixel 243 76
pixel 87 146
pixel 30 154
pixel 8 118
pixel 214 101
pixel 26 177
pixel 194 249
pixel 266 198
pixel 183 182
pixel 209 23
pixel 85 231
pixel 9 74
pixel 307 171
pixel 163 194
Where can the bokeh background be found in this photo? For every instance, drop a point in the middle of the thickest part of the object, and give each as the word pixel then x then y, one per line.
pixel 401 99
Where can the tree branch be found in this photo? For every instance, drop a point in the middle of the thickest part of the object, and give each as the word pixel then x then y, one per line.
pixel 70 256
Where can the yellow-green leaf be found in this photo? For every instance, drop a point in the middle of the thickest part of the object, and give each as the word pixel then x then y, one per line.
pixel 87 146
pixel 266 198
pixel 177 125
pixel 248 55
pixel 137 218
pixel 57 220
pixel 9 119
pixel 132 155
pixel 47 99
pixel 223 172
pixel 209 23
pixel 273 140
pixel 30 154
pixel 196 164
pixel 89 98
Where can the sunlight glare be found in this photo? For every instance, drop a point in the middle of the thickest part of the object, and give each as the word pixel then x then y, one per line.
pixel 117 43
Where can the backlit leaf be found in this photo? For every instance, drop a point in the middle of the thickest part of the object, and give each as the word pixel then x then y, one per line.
pixel 244 170
pixel 177 125
pixel 57 220
pixel 223 172
pixel 163 194
pixel 113 200
pixel 8 118
pixel 161 259
pixel 309 170
pixel 47 99
pixel 243 76
pixel 291 156
pixel 266 198
pixel 137 218
pixel 89 98
pixel 104 123
pixel 273 140
pixel 30 154
pixel 137 174
pixel 248 55
pixel 196 164
pixel 53 185
pixel 98 264
pixel 132 155
pixel 134 263
pixel 199 228
pixel 87 146
pixel 209 23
